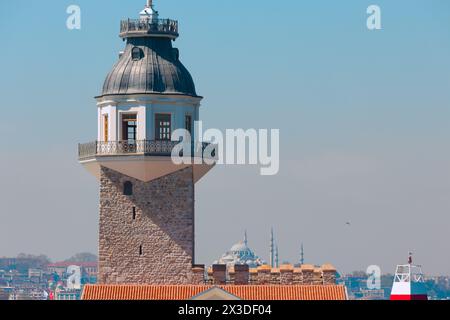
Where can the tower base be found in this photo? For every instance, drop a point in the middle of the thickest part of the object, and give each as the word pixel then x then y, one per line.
pixel 146 231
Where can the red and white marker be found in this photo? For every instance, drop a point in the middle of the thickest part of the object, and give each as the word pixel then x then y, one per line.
pixel 409 283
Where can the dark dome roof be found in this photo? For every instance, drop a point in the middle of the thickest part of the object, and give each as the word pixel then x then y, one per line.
pixel 154 68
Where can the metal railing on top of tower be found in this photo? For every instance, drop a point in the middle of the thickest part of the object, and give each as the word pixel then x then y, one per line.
pixel 138 147
pixel 149 26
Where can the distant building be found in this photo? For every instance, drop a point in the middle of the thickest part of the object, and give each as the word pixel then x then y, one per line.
pixel 356 284
pixel 240 253
pixel 22 264
pixel 66 294
pixel 35 274
pixel 4 295
pixel 88 269
pixel 28 294
pixel 372 294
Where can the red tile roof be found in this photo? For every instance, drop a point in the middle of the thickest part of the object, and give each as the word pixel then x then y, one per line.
pixel 186 292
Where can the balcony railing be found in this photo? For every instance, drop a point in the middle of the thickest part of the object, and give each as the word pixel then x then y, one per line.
pixel 139 27
pixel 139 147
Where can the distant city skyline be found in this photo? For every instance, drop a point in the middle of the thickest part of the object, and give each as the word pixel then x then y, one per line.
pixel 363 118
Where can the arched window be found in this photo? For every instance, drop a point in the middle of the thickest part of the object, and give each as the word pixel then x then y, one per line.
pixel 128 188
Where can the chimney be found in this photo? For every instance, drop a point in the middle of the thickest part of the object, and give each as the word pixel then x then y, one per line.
pixel 264 274
pixel 253 276
pixel 308 274
pixel 241 274
pixel 210 276
pixel 231 275
pixel 198 274
pixel 219 274
pixel 318 280
pixel 287 274
pixel 298 276
pixel 275 276
pixel 328 274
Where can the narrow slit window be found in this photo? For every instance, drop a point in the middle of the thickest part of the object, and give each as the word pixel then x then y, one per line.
pixel 134 213
pixel 188 123
pixel 105 128
pixel 140 250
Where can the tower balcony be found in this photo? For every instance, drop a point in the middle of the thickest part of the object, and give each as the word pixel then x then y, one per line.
pixel 154 148
pixel 145 160
pixel 149 27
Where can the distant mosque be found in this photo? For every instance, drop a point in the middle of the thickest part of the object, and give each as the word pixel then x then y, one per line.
pixel 241 253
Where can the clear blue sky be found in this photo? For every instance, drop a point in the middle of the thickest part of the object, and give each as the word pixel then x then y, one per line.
pixel 364 119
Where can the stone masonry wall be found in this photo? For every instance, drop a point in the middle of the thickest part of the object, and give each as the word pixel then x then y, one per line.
pixel 148 237
pixel 265 275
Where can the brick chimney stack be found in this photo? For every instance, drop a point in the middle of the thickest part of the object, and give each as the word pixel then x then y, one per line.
pixel 329 274
pixel 297 276
pixel 308 274
pixel 264 274
pixel 198 274
pixel 287 274
pixel 241 274
pixel 219 274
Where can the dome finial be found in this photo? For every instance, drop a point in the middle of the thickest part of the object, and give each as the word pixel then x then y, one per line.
pixel 245 238
pixel 149 3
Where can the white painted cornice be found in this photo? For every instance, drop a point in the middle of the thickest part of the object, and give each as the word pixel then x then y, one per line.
pixel 146 99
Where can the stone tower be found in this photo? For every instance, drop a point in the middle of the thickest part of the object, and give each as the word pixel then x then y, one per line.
pixel 146 233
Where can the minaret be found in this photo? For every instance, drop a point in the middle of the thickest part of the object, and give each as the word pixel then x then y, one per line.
pixel 302 256
pixel 245 239
pixel 147 201
pixel 276 257
pixel 272 249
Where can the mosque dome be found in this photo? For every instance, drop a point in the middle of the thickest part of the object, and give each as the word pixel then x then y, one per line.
pixel 240 253
pixel 240 247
